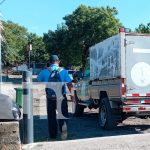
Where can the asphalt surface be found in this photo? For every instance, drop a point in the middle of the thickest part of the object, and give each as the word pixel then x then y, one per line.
pixel 87 127
pixel 126 142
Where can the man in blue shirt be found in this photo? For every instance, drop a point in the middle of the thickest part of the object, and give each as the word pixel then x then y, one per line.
pixel 52 101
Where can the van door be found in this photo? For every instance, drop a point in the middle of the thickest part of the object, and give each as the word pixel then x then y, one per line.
pixel 137 65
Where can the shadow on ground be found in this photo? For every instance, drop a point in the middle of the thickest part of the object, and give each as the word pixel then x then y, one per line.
pixel 83 127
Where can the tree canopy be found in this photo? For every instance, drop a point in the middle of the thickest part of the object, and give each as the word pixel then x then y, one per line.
pixel 38 53
pixel 14 47
pixel 14 43
pixel 83 28
pixel 143 28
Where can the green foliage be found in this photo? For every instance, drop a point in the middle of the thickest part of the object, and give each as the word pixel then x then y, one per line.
pixel 38 53
pixel 14 48
pixel 71 40
pixel 82 29
pixel 143 28
pixel 58 42
pixel 15 41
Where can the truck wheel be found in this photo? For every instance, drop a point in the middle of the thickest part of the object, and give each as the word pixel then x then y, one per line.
pixel 106 117
pixel 79 109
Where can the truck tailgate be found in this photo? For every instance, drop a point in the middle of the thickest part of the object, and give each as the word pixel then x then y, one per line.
pixel 137 65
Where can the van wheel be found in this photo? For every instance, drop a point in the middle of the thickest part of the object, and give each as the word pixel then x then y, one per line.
pixel 106 117
pixel 78 109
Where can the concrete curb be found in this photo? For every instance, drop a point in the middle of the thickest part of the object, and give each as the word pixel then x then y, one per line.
pixel 9 136
pixel 125 142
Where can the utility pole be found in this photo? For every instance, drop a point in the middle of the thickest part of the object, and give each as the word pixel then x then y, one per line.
pixel 29 49
pixel 29 58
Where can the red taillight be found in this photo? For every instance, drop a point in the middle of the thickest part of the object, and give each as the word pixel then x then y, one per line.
pixel 141 108
pixel 127 108
pixel 145 101
pixel 121 29
pixel 147 94
pixel 123 87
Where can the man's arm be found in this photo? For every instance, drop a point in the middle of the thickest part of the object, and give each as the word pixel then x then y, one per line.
pixel 70 85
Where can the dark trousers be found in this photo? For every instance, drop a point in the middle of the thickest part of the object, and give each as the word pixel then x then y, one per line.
pixel 54 124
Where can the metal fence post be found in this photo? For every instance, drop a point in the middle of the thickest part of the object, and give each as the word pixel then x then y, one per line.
pixel 27 108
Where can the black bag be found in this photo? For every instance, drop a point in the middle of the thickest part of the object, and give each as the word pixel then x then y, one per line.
pixel 54 77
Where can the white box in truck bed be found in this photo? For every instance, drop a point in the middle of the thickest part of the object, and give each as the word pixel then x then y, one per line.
pixel 105 59
pixel 125 55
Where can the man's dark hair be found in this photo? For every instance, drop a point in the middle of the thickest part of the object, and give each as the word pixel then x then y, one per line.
pixel 53 58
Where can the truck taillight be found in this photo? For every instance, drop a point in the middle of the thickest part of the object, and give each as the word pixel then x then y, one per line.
pixel 141 108
pixel 147 101
pixel 123 87
pixel 121 29
pixel 126 108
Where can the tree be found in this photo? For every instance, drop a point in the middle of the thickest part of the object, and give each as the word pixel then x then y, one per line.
pixel 82 29
pixel 90 25
pixel 143 28
pixel 57 42
pixel 38 53
pixel 15 42
pixel 14 49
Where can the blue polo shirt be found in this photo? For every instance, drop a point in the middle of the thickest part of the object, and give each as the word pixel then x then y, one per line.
pixel 45 73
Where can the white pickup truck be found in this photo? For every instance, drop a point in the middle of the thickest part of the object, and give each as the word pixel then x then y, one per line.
pixel 117 79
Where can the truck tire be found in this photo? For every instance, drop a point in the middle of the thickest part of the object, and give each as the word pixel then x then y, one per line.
pixel 106 117
pixel 79 109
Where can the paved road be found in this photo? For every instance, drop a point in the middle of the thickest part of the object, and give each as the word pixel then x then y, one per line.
pixel 87 127
pixel 126 142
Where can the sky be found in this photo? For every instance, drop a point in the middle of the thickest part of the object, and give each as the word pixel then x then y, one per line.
pixel 39 16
